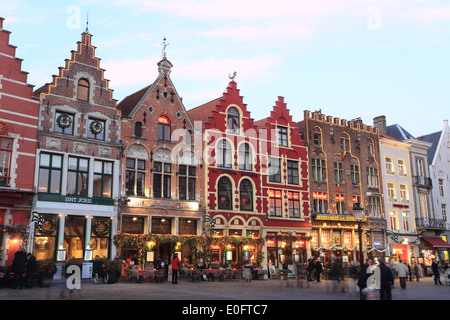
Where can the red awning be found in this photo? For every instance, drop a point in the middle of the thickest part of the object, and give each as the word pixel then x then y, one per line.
pixel 437 243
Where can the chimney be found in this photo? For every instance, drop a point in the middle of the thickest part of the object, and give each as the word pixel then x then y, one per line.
pixel 380 123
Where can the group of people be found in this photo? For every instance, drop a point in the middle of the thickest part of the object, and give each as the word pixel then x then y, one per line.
pixel 314 267
pixel 21 273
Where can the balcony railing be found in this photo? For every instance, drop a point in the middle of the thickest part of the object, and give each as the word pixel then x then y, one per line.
pixel 430 223
pixel 422 182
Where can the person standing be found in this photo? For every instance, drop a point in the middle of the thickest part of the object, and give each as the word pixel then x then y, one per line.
pixel 402 270
pixel 409 272
pixel 416 271
pixel 175 268
pixel 30 268
pixel 18 267
pixel 435 269
pixel 386 281
pixel 319 269
pixel 365 273
pixel 310 268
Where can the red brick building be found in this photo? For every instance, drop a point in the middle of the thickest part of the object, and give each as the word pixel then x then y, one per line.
pixel 18 142
pixel 78 166
pixel 162 175
pixel 256 182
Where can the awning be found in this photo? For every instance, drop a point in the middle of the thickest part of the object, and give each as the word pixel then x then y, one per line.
pixel 437 243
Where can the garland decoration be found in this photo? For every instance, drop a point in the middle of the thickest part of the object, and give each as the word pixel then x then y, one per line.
pixel 96 127
pixel 47 221
pixel 64 121
pixel 102 227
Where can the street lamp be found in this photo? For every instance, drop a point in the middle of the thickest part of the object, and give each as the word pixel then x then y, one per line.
pixel 359 216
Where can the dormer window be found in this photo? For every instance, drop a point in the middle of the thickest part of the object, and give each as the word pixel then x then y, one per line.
pixel 83 90
pixel 233 121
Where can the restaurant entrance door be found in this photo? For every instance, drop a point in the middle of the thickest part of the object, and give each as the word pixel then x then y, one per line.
pixel 163 250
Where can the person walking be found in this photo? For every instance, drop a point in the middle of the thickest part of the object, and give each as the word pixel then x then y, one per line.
pixel 318 269
pixel 310 268
pixel 365 273
pixel 416 271
pixel 386 281
pixel 435 269
pixel 409 272
pixel 18 267
pixel 30 268
pixel 175 268
pixel 402 270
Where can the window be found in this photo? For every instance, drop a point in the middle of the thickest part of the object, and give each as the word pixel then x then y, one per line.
pixel 345 144
pixel 404 196
pixel 187 181
pixel 389 165
pixel 374 205
pixel 162 178
pixel 274 169
pixel 138 130
pixel 83 90
pixel 391 191
pixel 441 188
pixel 282 136
pixel 338 172
pixel 372 177
pixel 275 205
pixel 340 203
pixel 133 225
pixel 393 220
pixel 233 121
pixel 406 221
pixel 318 169
pixel 99 241
pixel 245 157
pixel 246 195
pixel 224 154
pixel 164 124
pixel 64 122
pixel 5 161
pixel 315 238
pixel 325 238
pixel 224 194
pixel 420 168
pixel 77 176
pixel 135 177
pixel 354 174
pixel 370 148
pixel 292 172
pixel 423 205
pixel 444 211
pixel 96 129
pixel 317 139
pixel 401 167
pixel 74 236
pixel 45 238
pixel 103 179
pixel 294 204
pixel 50 171
pixel 320 202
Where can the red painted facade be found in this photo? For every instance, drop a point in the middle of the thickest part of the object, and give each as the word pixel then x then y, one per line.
pixel 18 135
pixel 238 185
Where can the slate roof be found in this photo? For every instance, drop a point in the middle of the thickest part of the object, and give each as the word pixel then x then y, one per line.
pixel 434 139
pixel 398 132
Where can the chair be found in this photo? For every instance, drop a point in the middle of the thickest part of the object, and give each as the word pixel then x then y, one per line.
pixel 196 275
pixel 227 275
pixel 160 276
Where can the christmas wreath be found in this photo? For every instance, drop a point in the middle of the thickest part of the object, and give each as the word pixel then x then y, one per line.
pixel 64 121
pixel 46 225
pixel 102 227
pixel 96 127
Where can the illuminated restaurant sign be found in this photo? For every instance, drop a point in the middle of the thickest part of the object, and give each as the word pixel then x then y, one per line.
pixel 336 218
pixel 163 204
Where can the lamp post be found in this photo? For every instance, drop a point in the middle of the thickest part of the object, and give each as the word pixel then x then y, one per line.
pixel 359 216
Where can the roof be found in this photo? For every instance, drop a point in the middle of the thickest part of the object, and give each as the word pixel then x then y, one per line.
pixel 261 123
pixel 434 139
pixel 398 132
pixel 202 112
pixel 382 135
pixel 128 104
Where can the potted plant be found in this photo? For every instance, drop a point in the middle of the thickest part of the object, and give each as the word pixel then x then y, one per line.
pixel 113 269
pixel 45 271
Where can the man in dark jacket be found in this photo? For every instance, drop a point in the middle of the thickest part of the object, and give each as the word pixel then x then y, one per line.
pixel 31 268
pixel 319 269
pixel 435 269
pixel 310 268
pixel 18 267
pixel 386 281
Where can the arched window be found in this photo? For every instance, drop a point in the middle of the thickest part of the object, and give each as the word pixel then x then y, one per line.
pixel 224 193
pixel 83 90
pixel 233 120
pixel 223 154
pixel 246 195
pixel 164 128
pixel 138 129
pixel 245 157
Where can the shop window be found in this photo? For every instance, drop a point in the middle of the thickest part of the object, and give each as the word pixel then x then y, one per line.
pixel 187 181
pixel 50 173
pixel 162 178
pixel 245 157
pixel 74 236
pixel 100 237
pixel 274 169
pixel 135 177
pixel 233 122
pixel 77 176
pixel 224 194
pixel 164 124
pixel 103 179
pixel 246 195
pixel 96 129
pixel 133 225
pixel 45 238
pixel 325 238
pixel 187 227
pixel 83 90
pixel 64 122
pixel 275 203
pixel 161 226
pixel 5 161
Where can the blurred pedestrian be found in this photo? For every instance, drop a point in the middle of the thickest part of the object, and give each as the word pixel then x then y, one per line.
pixel 386 281
pixel 175 268
pixel 409 272
pixel 363 276
pixel 18 267
pixel 30 268
pixel 402 270
pixel 310 268
pixel 318 269
pixel 435 269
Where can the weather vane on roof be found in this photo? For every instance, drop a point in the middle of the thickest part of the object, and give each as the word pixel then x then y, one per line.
pixel 232 76
pixel 164 44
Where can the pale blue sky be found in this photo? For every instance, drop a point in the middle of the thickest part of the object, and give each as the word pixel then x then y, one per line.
pixel 350 58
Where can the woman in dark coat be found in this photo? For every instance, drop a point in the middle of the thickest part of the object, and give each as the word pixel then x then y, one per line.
pixel 310 268
pixel 319 269
pixel 31 268
pixel 18 267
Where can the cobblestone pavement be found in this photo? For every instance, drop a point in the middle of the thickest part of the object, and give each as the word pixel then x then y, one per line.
pixel 234 290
